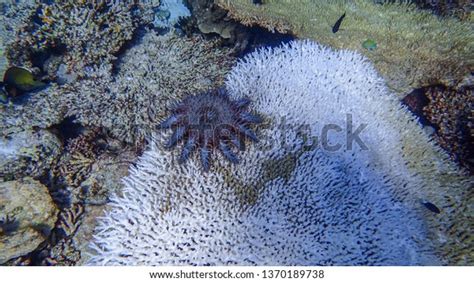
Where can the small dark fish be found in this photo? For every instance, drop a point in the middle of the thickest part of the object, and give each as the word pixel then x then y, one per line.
pixel 258 2
pixel 336 26
pixel 431 207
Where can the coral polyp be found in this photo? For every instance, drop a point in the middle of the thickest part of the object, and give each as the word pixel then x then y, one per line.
pixel 208 122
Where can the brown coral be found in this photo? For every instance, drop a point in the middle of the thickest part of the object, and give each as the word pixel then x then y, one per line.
pixel 81 154
pixel 451 111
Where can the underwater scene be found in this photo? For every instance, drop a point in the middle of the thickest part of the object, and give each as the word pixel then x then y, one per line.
pixel 237 132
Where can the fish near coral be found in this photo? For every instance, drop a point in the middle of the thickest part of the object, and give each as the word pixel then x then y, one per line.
pixel 17 80
pixel 338 23
pixel 369 44
pixel 210 121
pixel 430 206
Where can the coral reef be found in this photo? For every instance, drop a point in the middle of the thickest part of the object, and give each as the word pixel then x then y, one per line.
pixel 152 74
pixel 458 8
pixel 80 155
pixel 27 215
pixel 210 122
pixel 291 202
pixel 41 109
pixel 451 111
pixel 12 15
pixel 28 153
pixel 62 249
pixel 91 168
pixel 414 48
pixel 211 19
pixel 86 34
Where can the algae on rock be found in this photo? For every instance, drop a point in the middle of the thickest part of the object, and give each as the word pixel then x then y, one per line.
pixel 27 215
pixel 414 48
pixel 28 153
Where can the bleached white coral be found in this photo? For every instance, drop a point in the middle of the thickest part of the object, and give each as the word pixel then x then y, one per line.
pixel 287 203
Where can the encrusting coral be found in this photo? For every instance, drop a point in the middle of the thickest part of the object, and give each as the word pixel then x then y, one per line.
pixel 156 72
pixel 359 203
pixel 414 48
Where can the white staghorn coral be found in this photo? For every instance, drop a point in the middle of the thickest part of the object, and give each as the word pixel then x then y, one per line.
pixel 288 203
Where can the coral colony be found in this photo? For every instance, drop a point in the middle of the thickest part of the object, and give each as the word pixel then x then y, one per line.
pixel 217 132
pixel 290 205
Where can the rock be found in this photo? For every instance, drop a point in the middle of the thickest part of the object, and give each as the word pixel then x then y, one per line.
pixel 27 215
pixel 28 153
pixel 105 178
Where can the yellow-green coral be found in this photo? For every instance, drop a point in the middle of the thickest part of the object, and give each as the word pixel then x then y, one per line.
pixel 414 47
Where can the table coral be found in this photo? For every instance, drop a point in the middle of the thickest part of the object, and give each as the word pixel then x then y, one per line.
pixel 359 205
pixel 414 48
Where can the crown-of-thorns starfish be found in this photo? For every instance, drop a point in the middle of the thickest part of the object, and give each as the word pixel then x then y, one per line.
pixel 210 121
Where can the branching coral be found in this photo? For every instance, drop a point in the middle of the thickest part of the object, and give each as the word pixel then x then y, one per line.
pixel 151 75
pixel 85 33
pixel 11 16
pixel 414 48
pixel 79 157
pixel 91 168
pixel 354 205
pixel 36 110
